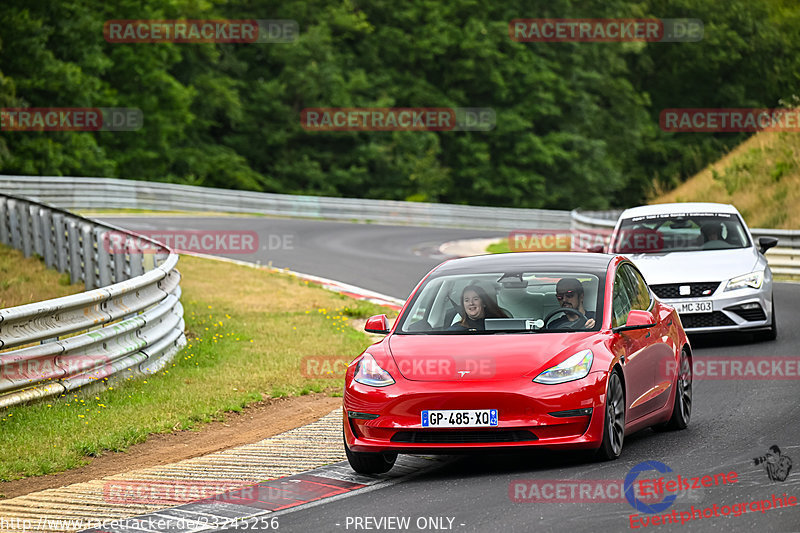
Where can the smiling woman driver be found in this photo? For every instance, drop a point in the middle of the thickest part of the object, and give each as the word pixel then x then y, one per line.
pixel 477 306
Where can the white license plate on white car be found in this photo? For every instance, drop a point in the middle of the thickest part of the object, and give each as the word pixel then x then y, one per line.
pixel 685 308
pixel 469 418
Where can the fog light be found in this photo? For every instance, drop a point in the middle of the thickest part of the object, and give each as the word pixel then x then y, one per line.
pixel 573 412
pixel 362 416
pixel 750 306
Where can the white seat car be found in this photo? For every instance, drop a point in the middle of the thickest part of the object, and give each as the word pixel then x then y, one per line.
pixel 701 259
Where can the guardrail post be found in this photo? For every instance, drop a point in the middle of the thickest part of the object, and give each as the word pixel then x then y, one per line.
pixel 62 252
pixel 119 260
pixel 136 261
pixel 25 228
pixel 89 262
pixel 48 239
pixel 4 233
pixel 104 266
pixel 36 229
pixel 73 245
pixel 13 224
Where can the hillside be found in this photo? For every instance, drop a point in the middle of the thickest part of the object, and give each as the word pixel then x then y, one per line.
pixel 761 177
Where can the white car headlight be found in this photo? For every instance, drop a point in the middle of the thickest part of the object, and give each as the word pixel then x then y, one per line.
pixel 368 372
pixel 574 367
pixel 753 279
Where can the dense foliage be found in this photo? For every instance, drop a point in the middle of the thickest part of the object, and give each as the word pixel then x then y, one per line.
pixel 577 123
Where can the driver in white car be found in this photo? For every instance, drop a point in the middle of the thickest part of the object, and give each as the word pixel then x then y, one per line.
pixel 569 293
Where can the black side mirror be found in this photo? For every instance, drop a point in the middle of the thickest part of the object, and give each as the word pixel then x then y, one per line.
pixel 765 243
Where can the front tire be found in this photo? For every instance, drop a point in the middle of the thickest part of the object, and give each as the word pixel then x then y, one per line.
pixel 614 423
pixel 370 463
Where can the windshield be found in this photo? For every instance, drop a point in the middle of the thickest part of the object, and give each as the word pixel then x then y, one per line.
pixel 506 302
pixel 679 233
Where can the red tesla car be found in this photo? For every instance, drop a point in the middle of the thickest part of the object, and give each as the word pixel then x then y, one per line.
pixel 558 350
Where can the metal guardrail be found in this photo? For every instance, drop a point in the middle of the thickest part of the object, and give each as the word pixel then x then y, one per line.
pixel 94 193
pixel 782 259
pixel 129 321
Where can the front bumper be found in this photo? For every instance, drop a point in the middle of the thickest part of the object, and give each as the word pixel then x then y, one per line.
pixel 737 310
pixel 524 415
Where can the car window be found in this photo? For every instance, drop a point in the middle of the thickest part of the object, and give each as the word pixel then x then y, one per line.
pixel 640 293
pixel 621 299
pixel 679 232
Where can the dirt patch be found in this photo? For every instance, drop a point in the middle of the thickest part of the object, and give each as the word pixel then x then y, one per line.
pixel 256 422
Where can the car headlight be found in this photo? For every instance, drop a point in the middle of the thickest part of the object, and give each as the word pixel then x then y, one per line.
pixel 368 372
pixel 753 279
pixel 574 367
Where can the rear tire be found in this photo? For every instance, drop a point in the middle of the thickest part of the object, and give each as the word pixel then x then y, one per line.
pixel 370 463
pixel 614 421
pixel 682 407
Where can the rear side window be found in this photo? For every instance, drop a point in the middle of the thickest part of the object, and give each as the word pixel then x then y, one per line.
pixel 621 299
pixel 640 293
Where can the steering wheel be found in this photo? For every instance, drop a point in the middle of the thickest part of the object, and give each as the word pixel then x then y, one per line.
pixel 565 310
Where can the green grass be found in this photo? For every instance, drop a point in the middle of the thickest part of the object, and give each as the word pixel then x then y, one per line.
pixel 248 331
pixel 761 177
pixel 25 280
pixel 498 247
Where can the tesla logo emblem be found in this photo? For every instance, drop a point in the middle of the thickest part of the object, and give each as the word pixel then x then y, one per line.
pixel 685 290
pixel 462 372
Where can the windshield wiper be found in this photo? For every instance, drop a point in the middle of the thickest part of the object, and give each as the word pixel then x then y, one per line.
pixel 508 331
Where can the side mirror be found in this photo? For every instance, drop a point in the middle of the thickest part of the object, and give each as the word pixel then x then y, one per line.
pixel 377 324
pixel 637 319
pixel 765 243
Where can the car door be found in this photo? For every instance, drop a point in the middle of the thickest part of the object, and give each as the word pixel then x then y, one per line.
pixel 660 350
pixel 628 345
pixel 649 348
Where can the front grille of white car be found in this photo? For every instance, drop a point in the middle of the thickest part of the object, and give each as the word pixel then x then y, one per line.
pixel 706 320
pixel 696 290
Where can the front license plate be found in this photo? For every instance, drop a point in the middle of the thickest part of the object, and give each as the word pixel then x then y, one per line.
pixel 686 308
pixel 466 418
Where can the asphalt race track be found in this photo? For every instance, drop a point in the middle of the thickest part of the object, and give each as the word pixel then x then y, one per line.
pixel 733 421
pixel 386 259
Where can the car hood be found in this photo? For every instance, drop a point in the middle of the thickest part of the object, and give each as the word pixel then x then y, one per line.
pixel 687 267
pixel 483 357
